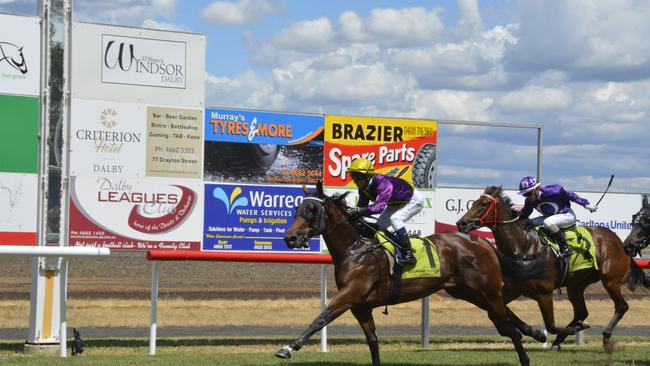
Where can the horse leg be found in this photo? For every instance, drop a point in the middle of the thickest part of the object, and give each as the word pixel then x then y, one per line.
pixel 620 305
pixel 339 305
pixel 580 312
pixel 367 323
pixel 524 328
pixel 545 303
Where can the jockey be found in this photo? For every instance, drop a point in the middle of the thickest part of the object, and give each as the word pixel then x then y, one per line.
pixel 394 199
pixel 554 203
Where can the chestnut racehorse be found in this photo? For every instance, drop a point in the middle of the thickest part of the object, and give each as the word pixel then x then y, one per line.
pixel 530 267
pixel 362 269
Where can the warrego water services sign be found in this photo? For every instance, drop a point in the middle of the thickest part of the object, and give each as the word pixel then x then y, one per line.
pixel 143 61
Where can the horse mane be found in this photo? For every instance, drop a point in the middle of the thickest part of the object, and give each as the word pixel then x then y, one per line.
pixel 510 206
pixel 340 199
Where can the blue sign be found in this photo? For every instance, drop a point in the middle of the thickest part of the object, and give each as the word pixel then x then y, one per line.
pixel 251 218
pixel 231 125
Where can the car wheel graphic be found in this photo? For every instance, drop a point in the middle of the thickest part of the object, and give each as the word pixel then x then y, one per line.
pixel 248 159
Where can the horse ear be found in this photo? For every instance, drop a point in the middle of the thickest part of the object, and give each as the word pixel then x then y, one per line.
pixel 319 187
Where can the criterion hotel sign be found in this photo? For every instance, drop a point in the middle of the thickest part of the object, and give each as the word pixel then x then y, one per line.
pixel 143 61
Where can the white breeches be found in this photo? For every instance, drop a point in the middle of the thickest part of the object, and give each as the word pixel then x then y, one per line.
pixel 561 220
pixel 396 215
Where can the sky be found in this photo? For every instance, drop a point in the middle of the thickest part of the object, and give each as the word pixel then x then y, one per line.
pixel 578 69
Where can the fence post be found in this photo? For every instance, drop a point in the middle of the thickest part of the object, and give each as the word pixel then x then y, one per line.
pixel 154 307
pixel 323 305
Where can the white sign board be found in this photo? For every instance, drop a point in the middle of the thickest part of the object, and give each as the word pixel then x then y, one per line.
pixel 615 211
pixel 137 65
pixel 19 205
pixel 20 55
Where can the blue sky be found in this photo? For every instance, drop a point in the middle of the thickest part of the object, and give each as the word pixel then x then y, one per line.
pixel 580 69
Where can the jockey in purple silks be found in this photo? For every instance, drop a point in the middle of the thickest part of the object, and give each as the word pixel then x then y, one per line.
pixel 394 199
pixel 554 203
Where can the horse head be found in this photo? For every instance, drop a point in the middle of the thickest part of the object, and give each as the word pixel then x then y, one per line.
pixel 309 220
pixel 487 210
pixel 639 236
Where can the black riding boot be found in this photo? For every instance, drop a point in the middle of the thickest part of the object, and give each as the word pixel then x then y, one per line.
pixel 407 252
pixel 560 239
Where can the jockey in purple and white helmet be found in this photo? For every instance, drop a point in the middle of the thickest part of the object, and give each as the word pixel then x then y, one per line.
pixel 554 203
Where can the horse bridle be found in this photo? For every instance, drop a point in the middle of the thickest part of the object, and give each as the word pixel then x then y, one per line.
pixel 319 218
pixel 493 207
pixel 643 223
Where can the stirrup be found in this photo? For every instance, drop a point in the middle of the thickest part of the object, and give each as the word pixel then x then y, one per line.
pixel 407 258
pixel 566 253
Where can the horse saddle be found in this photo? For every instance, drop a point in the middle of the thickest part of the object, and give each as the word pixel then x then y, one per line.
pixel 581 243
pixel 425 251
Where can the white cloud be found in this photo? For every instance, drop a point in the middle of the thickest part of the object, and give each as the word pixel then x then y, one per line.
pixel 307 36
pixel 471 173
pixel 535 98
pixel 125 12
pixel 242 12
pixel 152 24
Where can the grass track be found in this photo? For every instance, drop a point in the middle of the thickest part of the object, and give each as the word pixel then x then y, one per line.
pixel 343 351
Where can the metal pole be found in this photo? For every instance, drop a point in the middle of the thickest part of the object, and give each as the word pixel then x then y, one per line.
pixel 426 333
pixel 323 305
pixel 154 307
pixel 539 154
pixel 63 292
pixel 580 338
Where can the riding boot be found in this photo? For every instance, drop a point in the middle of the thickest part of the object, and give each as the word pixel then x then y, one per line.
pixel 407 252
pixel 560 239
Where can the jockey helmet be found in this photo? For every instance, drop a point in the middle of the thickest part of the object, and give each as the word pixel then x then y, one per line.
pixel 527 185
pixel 362 165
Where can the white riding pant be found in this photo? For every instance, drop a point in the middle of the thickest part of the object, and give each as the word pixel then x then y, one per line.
pixel 396 215
pixel 563 221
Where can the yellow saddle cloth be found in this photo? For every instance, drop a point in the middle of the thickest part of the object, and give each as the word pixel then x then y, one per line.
pixel 428 262
pixel 580 241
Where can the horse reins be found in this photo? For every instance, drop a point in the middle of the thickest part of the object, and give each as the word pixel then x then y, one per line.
pixel 493 206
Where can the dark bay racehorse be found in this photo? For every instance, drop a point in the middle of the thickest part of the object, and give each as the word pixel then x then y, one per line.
pixel 639 236
pixel 530 267
pixel 469 271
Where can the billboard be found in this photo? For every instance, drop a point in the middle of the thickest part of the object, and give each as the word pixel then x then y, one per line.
pixel 20 55
pixel 400 147
pixel 251 218
pixel 131 214
pixel 614 212
pixel 138 65
pixel 263 147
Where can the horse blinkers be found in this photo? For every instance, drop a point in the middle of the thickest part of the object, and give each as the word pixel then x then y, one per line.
pixel 309 221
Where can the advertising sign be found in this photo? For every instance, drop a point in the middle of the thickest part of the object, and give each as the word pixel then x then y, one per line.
pixel 135 214
pixel 19 143
pixel 18 200
pixel 137 65
pixel 134 140
pixel 401 147
pixel 251 218
pixel 263 147
pixel 20 55
pixel 614 211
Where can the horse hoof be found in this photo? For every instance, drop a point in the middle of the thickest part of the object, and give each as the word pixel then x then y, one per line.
pixel 284 352
pixel 556 348
pixel 540 337
pixel 609 346
pixel 582 325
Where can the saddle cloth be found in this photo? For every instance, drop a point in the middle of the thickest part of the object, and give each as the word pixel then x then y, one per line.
pixel 580 241
pixel 428 262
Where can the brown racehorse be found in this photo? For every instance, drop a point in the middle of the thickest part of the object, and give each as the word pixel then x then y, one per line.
pixel 530 267
pixel 469 268
pixel 639 237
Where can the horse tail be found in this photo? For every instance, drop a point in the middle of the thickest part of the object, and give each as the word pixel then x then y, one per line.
pixel 636 277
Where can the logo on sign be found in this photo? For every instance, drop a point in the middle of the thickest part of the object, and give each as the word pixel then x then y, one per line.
pixel 140 61
pixel 232 202
pixel 13 55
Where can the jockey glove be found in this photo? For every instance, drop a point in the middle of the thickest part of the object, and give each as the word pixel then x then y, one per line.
pixel 591 208
pixel 356 211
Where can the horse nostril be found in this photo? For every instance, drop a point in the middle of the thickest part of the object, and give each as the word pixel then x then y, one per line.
pixel 290 239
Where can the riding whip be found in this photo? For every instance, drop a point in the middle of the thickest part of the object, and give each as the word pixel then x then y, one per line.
pixel 606 189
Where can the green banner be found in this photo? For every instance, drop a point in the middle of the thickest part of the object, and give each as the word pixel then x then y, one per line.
pixel 19 143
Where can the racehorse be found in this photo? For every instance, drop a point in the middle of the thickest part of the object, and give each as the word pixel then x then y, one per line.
pixel 639 236
pixel 362 270
pixel 530 267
